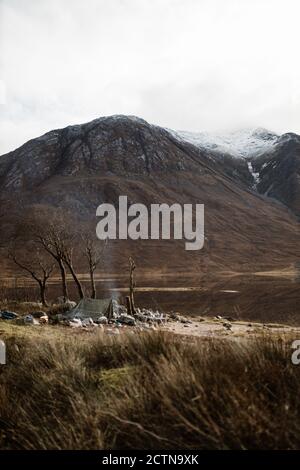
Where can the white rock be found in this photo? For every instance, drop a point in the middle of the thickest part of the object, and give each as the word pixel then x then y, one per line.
pixel 44 319
pixel 29 320
pixel 88 322
pixel 75 323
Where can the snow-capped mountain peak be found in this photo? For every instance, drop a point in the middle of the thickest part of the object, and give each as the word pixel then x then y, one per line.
pixel 246 143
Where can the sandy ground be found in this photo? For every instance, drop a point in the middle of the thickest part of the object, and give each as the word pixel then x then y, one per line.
pixel 224 329
pixel 207 329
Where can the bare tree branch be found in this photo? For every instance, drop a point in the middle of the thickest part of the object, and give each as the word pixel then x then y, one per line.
pixel 39 269
pixel 93 252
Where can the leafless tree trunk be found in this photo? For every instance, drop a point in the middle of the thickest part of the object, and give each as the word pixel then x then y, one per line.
pixel 132 284
pixel 63 278
pixel 93 286
pixel 53 250
pixel 60 245
pixel 93 253
pixel 68 259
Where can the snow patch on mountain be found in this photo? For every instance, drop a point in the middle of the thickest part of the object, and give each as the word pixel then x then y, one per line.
pixel 254 174
pixel 246 143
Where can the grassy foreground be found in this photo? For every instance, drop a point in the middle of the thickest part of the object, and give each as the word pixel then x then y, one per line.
pixel 148 390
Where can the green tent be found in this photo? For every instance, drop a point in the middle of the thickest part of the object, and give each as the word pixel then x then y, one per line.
pixel 93 308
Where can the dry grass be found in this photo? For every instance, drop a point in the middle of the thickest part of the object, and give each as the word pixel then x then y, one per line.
pixel 149 390
pixel 21 308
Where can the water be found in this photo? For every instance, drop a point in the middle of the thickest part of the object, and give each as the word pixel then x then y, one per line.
pixel 258 298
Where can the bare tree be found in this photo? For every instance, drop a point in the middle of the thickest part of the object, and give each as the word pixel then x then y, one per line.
pixel 93 252
pixel 39 268
pixel 67 256
pixel 49 228
pixel 50 241
pixel 57 241
pixel 132 284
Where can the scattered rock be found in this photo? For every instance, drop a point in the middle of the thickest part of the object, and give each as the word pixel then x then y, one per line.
pixel 38 314
pixel 186 321
pixel 29 320
pixel 75 323
pixel 127 319
pixel 102 320
pixel 44 319
pixel 149 316
pixel 174 316
pixel 143 319
pixel 88 322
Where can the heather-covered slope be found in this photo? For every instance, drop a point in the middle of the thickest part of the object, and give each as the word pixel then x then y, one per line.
pixel 79 167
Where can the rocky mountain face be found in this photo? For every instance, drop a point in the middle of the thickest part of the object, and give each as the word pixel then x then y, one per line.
pixel 273 161
pixel 279 172
pixel 108 146
pixel 247 224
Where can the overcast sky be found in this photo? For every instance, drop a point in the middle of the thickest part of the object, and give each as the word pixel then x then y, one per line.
pixel 200 65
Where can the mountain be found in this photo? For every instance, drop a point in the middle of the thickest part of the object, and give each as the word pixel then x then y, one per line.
pixel 79 167
pixel 243 143
pixel 278 172
pixel 273 161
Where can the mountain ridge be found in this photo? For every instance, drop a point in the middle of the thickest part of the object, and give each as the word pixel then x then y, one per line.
pixel 244 155
pixel 76 168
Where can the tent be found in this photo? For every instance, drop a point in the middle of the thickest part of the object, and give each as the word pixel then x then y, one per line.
pixel 93 308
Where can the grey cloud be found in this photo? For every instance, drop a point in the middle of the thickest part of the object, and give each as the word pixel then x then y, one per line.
pixel 199 65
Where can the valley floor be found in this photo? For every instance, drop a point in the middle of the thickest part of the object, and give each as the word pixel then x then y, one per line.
pixel 222 328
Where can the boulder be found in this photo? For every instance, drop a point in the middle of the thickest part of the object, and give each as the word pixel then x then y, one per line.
pixel 38 314
pixel 102 320
pixel 29 320
pixel 184 320
pixel 88 322
pixel 75 323
pixel 44 319
pixel 127 319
